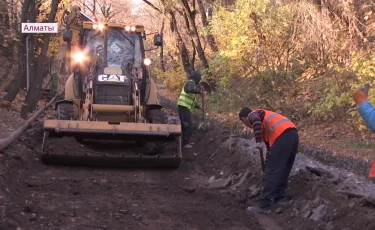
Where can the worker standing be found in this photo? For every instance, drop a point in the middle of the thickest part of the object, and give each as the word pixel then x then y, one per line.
pixel 186 104
pixel 365 109
pixel 367 112
pixel 281 138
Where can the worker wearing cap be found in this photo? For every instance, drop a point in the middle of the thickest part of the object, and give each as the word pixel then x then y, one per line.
pixel 186 104
pixel 281 138
pixel 365 109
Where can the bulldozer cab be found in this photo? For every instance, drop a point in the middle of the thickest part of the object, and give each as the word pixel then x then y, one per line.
pixel 124 49
pixel 112 57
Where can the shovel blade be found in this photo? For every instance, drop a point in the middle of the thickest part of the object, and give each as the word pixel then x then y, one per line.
pixel 201 124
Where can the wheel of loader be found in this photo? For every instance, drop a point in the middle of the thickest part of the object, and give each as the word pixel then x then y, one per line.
pixel 154 148
pixel 64 111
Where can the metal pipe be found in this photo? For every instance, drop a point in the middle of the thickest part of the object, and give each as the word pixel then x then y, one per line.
pixel 27 64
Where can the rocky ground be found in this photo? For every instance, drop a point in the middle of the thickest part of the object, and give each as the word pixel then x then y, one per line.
pixel 217 180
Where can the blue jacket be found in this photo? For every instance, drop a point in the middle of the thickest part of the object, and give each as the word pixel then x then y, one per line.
pixel 367 112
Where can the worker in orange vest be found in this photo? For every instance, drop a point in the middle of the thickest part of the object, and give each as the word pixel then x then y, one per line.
pixel 281 138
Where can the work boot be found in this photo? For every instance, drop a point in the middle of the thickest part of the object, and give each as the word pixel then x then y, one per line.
pixel 259 209
pixel 188 146
pixel 279 201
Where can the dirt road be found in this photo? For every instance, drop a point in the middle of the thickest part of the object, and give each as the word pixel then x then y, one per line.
pixel 48 197
pixel 37 196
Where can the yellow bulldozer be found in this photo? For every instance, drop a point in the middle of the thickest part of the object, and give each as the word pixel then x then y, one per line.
pixel 110 95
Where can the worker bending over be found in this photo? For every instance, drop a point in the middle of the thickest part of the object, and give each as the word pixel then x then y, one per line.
pixel 281 138
pixel 365 109
pixel 186 104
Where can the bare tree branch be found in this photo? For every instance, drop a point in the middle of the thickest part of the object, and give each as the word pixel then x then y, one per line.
pixel 152 5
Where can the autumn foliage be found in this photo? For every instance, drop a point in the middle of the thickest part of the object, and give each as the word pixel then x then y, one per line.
pixel 303 58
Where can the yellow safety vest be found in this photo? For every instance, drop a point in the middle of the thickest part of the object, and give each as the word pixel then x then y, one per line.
pixel 187 99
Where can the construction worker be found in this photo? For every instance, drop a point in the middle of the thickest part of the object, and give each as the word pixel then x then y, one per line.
pixel 186 104
pixel 281 138
pixel 365 109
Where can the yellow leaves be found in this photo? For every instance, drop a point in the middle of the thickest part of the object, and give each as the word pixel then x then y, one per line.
pixel 173 80
pixel 54 45
pixel 362 127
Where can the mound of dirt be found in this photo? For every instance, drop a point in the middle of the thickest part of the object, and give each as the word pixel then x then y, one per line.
pixel 319 196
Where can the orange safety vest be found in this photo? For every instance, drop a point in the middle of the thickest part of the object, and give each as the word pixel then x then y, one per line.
pixel 273 125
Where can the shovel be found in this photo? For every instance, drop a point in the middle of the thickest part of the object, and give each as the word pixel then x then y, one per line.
pixel 366 89
pixel 202 122
pixel 206 88
pixel 262 162
pixel 261 159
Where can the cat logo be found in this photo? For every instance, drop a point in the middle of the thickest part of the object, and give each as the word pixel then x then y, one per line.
pixel 112 78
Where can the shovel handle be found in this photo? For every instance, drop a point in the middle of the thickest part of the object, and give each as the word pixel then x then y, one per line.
pixel 261 158
pixel 202 97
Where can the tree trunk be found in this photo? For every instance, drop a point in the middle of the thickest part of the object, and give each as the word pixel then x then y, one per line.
pixel 209 37
pixel 260 55
pixel 9 67
pixel 161 55
pixel 192 62
pixel 4 20
pixel 184 53
pixel 14 14
pixel 16 84
pixel 193 58
pixel 195 34
pixel 35 87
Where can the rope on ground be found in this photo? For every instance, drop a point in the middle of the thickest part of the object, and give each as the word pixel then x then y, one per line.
pixel 18 132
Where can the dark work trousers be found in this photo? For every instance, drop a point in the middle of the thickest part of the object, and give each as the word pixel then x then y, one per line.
pixel 279 164
pixel 186 124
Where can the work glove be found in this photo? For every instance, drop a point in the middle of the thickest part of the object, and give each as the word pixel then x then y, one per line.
pixel 198 89
pixel 257 147
pixel 359 96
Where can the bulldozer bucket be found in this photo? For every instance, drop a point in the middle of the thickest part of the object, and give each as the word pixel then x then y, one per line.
pixel 100 130
pixel 114 161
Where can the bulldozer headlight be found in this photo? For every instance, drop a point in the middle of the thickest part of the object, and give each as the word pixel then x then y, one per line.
pixel 100 26
pixel 127 28
pixel 147 61
pixel 79 56
pixel 95 26
pixel 133 28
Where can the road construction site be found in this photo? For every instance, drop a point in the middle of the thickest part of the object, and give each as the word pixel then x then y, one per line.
pixel 211 189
